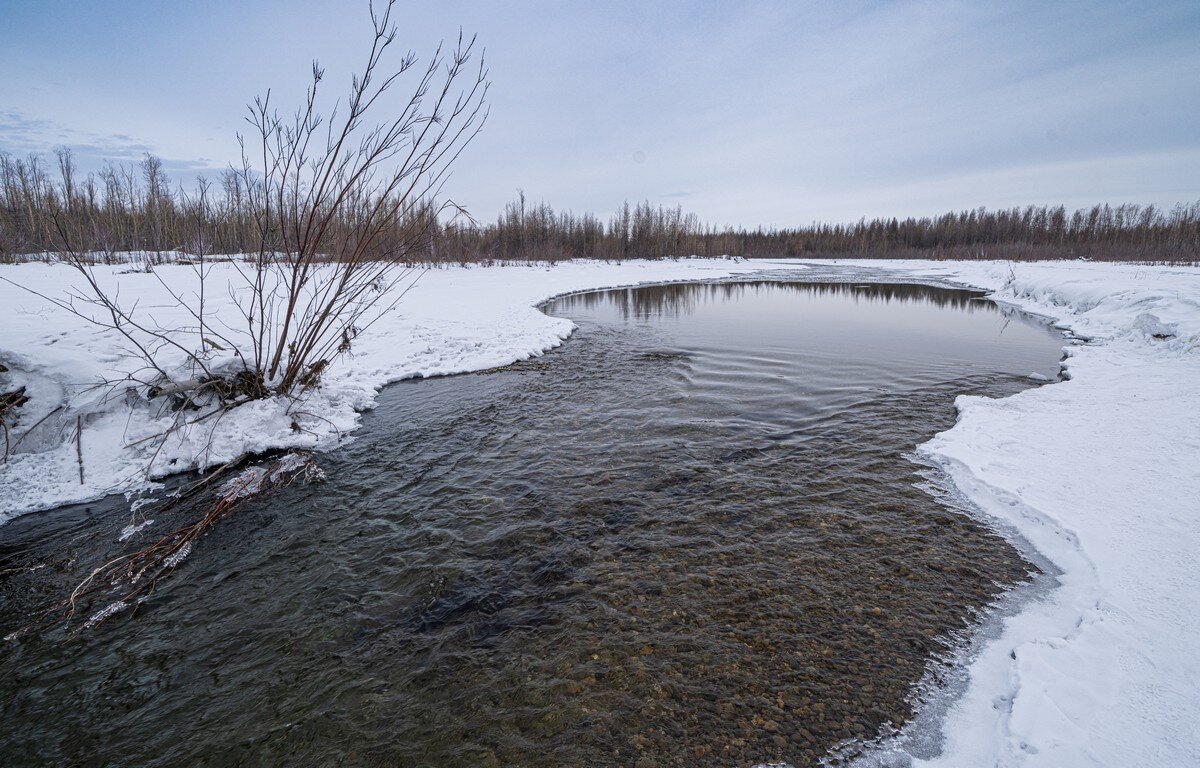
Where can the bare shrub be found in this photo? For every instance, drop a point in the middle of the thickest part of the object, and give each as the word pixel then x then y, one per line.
pixel 338 208
pixel 127 579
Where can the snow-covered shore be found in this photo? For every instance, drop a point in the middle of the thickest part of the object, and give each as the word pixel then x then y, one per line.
pixel 1100 473
pixel 455 320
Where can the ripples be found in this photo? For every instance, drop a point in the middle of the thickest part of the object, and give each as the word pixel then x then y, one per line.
pixel 692 540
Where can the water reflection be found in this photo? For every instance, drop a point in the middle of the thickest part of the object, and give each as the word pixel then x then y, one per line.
pixel 690 539
pixel 677 299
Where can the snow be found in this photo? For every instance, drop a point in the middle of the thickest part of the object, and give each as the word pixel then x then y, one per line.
pixel 455 320
pixel 1101 474
pixel 1098 473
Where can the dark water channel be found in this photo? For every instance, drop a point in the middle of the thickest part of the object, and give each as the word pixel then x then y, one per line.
pixel 690 536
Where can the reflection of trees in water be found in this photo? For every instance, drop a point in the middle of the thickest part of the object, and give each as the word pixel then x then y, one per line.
pixel 678 299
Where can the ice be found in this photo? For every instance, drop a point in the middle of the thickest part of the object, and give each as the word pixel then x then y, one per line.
pixel 130 530
pixel 178 556
pixel 457 319
pixel 1099 471
pixel 105 612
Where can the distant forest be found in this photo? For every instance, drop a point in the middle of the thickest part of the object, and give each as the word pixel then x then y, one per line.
pixel 49 207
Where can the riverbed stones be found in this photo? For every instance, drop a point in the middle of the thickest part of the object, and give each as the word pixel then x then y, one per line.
pixel 607 566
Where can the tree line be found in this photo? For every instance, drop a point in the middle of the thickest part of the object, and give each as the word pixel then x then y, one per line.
pixel 49 206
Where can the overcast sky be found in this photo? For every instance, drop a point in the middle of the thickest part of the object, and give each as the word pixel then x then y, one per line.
pixel 746 113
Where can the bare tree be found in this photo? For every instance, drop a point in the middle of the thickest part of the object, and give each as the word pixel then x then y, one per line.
pixel 342 205
pixel 340 208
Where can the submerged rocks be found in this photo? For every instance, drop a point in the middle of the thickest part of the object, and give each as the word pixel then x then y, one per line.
pixel 630 562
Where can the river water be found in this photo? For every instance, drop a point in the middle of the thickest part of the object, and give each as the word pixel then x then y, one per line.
pixel 692 535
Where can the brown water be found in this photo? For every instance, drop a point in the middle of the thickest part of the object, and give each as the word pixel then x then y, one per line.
pixel 690 536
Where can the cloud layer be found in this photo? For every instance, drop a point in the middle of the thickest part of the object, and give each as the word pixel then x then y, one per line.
pixel 755 113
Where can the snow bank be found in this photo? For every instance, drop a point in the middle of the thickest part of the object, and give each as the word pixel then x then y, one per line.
pixel 455 320
pixel 1101 473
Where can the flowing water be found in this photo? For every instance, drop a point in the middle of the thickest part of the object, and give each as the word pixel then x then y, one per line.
pixel 689 536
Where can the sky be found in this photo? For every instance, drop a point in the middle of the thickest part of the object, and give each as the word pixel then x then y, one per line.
pixel 753 113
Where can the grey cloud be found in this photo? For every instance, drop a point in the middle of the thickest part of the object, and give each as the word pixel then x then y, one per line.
pixel 21 134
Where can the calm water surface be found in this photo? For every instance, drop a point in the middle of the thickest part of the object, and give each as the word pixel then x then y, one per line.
pixel 690 536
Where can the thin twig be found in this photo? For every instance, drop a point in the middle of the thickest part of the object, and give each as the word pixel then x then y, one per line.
pixel 79 445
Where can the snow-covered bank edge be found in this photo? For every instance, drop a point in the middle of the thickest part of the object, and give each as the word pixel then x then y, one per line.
pixel 459 320
pixel 1098 474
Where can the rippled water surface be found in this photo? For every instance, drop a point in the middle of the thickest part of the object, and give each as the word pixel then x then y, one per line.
pixel 690 536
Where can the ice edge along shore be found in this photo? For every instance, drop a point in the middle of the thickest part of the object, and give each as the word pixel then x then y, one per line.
pixel 1100 473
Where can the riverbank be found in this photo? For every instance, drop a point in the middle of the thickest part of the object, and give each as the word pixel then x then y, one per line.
pixel 455 320
pixel 1099 472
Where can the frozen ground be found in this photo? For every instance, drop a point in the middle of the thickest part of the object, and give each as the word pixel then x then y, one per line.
pixel 1101 473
